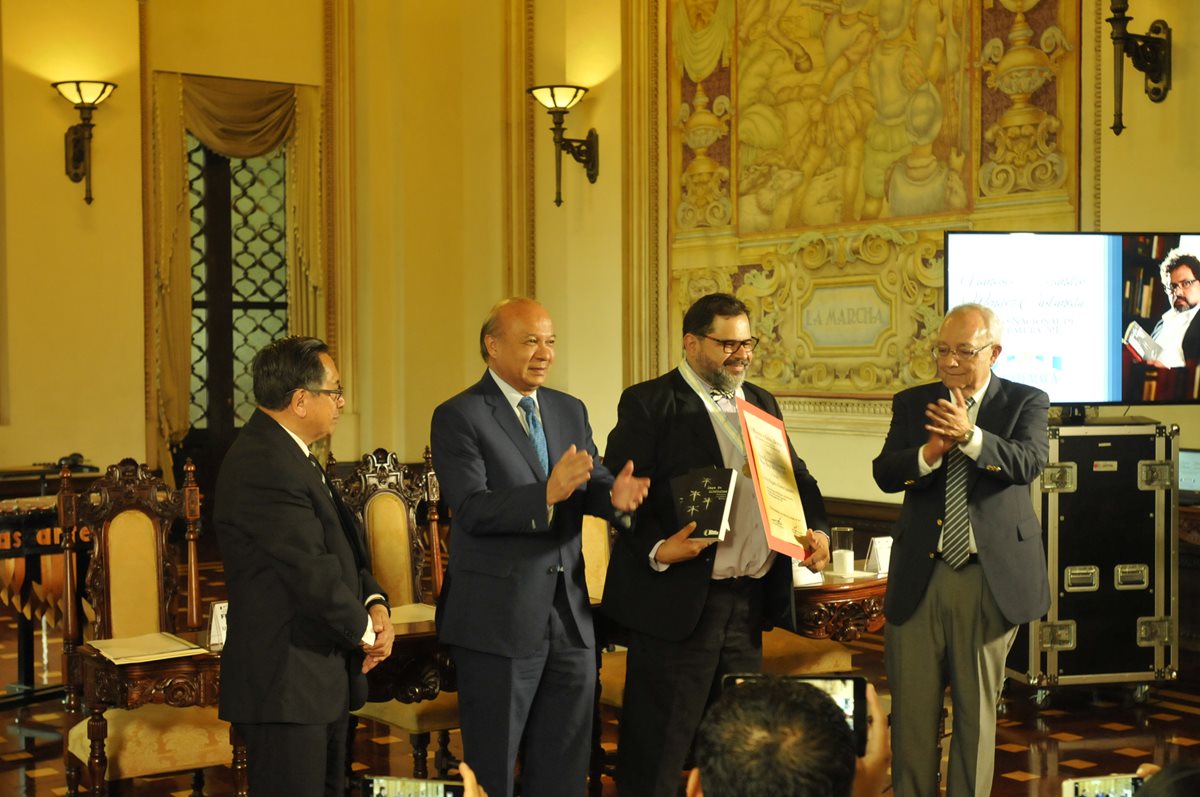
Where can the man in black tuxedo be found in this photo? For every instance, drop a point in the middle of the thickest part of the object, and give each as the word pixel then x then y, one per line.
pixel 967 563
pixel 1176 331
pixel 306 618
pixel 695 611
pixel 518 468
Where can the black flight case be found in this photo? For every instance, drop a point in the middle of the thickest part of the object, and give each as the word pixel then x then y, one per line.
pixel 1109 510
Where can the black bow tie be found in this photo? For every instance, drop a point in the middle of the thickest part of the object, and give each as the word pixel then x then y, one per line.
pixel 721 394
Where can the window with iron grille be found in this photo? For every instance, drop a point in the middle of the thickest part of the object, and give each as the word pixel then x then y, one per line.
pixel 239 287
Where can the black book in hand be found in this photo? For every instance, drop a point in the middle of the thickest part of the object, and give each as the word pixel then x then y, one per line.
pixel 704 495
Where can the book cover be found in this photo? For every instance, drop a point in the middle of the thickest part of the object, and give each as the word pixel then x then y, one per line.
pixel 704 495
pixel 1140 343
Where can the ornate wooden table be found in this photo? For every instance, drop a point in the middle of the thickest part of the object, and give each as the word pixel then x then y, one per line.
pixel 841 608
pixel 179 682
pixel 417 670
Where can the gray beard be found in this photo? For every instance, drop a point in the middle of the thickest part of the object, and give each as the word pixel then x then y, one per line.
pixel 724 381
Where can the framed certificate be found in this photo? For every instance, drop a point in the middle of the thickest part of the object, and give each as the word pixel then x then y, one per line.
pixel 770 461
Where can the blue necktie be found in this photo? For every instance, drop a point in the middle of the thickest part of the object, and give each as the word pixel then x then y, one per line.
pixel 537 435
pixel 956 538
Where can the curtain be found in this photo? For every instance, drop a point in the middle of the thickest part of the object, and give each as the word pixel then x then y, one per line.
pixel 237 119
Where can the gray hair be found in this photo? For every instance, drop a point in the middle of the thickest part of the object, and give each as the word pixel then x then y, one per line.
pixel 991 322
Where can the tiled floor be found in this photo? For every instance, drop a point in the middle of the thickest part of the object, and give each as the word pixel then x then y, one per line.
pixel 1083 731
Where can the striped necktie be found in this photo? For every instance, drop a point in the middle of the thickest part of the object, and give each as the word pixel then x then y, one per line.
pixel 956 536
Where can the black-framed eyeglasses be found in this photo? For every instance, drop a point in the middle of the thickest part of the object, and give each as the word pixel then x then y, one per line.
pixel 959 353
pixel 1182 285
pixel 730 346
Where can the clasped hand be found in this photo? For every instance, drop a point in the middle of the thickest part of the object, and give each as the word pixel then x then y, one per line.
pixel 948 424
pixel 385 634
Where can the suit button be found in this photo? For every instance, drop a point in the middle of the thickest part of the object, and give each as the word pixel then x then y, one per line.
pixel 932 554
pixel 551 570
pixel 939 521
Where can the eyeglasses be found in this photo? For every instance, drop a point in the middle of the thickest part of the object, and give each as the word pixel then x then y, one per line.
pixel 960 353
pixel 730 346
pixel 1182 285
pixel 337 393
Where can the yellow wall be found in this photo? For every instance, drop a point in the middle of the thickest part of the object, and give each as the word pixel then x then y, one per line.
pixel 72 315
pixel 1148 172
pixel 579 243
pixel 280 40
pixel 428 79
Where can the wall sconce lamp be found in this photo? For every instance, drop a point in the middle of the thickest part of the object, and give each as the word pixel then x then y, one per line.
pixel 85 95
pixel 1151 55
pixel 557 100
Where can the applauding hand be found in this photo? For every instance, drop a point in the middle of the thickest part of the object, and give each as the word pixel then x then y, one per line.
pixel 629 491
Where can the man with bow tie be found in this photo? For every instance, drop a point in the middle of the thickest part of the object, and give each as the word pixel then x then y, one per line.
pixel 967 562
pixel 518 468
pixel 695 610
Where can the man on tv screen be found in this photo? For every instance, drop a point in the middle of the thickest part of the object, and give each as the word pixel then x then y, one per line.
pixel 1175 332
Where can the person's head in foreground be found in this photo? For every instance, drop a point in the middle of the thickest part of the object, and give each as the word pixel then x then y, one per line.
pixel 773 737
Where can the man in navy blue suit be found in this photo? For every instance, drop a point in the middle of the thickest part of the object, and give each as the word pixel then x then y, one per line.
pixel 517 465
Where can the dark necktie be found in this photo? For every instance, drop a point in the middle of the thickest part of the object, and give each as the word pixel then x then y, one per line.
pixel 956 535
pixel 537 435
pixel 317 464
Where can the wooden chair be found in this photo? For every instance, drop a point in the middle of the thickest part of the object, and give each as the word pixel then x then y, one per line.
pixel 164 718
pixel 406 559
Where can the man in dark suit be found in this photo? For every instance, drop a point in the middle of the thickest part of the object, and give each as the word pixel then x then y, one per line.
pixel 306 618
pixel 967 564
pixel 517 465
pixel 1176 331
pixel 695 611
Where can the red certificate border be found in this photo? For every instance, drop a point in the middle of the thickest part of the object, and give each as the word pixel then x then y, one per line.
pixel 792 549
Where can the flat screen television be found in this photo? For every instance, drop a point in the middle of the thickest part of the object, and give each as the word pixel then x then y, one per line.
pixel 1065 301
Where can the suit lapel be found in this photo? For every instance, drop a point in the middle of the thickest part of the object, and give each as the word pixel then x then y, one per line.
pixel 506 418
pixel 552 426
pixel 992 414
pixel 316 481
pixel 692 406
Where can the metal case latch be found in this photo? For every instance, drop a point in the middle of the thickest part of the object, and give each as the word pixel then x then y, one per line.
pixel 1056 636
pixel 1155 474
pixel 1081 578
pixel 1059 477
pixel 1153 632
pixel 1131 577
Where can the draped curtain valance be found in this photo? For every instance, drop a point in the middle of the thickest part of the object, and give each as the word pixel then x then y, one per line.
pixel 237 119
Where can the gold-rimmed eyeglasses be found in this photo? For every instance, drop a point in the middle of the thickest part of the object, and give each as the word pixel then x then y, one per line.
pixel 959 352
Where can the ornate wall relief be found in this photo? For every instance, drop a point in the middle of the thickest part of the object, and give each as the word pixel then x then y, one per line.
pixel 816 152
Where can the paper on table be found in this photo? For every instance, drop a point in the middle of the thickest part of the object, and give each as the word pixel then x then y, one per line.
pixel 147 647
pixel 770 461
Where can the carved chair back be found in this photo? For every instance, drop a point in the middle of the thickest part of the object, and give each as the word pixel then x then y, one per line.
pixel 385 495
pixel 132 580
